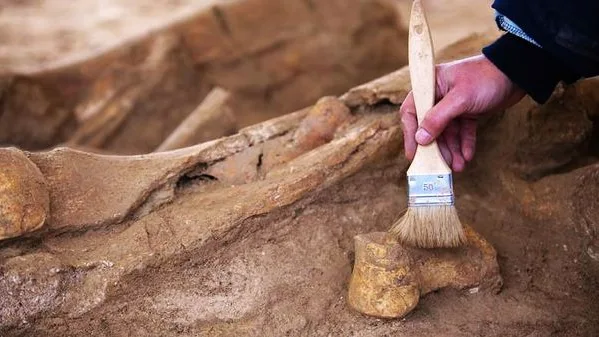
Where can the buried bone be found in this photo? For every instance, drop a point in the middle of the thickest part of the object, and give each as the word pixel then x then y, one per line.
pixel 388 279
pixel 24 196
pixel 119 186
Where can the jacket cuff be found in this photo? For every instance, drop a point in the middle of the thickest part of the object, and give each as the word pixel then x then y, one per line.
pixel 530 67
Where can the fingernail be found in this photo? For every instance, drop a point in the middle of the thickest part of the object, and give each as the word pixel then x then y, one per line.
pixel 468 155
pixel 423 137
pixel 458 165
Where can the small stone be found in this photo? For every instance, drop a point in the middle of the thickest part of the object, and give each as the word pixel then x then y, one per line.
pixel 593 250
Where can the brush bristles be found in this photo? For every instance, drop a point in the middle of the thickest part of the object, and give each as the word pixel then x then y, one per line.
pixel 429 227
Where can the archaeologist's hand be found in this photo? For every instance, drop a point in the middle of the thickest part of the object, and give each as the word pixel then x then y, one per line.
pixel 465 90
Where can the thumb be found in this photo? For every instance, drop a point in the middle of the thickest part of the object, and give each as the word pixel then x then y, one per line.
pixel 439 116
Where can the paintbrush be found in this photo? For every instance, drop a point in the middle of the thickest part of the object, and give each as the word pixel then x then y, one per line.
pixel 431 220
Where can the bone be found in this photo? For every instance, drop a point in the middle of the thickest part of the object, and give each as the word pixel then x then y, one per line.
pixel 147 208
pixel 162 232
pixel 319 127
pixel 102 116
pixel 210 120
pixel 388 279
pixel 59 87
pixel 121 186
pixel 97 129
pixel 24 197
pixel 118 185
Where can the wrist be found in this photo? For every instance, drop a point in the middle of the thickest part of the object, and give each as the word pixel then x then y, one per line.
pixel 528 66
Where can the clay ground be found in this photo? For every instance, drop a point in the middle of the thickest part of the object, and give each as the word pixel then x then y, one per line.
pixel 287 272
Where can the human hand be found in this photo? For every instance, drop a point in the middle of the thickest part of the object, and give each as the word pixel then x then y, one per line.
pixel 465 89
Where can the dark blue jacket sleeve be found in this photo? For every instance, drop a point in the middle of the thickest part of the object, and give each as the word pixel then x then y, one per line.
pixel 568 32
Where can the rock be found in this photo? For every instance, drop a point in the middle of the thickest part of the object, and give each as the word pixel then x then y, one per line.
pixel 24 196
pixel 388 279
pixel 318 127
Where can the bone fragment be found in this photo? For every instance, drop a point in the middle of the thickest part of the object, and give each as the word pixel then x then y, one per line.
pixel 211 119
pixel 24 197
pixel 117 185
pixel 388 279
pixel 102 116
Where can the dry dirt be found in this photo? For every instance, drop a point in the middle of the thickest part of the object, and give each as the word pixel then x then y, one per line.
pixel 531 191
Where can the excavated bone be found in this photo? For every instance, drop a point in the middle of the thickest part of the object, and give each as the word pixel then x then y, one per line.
pixel 202 217
pixel 118 185
pixel 24 197
pixel 396 85
pixel 388 279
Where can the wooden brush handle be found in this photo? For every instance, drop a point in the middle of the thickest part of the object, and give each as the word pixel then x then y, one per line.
pixel 428 159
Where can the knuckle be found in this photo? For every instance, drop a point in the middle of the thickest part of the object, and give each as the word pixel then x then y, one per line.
pixel 434 123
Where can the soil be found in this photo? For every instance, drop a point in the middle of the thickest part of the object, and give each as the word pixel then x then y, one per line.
pixel 531 192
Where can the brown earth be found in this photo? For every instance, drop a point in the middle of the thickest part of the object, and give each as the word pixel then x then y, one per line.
pixel 259 241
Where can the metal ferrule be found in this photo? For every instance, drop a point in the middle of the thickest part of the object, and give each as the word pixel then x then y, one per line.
pixel 430 190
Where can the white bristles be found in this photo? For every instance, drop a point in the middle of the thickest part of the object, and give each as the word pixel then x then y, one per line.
pixel 429 227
